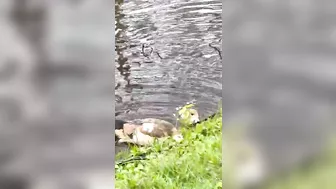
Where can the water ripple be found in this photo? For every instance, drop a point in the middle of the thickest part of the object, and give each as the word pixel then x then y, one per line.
pixel 163 56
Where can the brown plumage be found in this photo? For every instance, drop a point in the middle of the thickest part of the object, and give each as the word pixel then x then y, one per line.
pixel 146 132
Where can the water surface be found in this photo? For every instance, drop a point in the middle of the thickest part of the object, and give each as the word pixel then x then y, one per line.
pixel 163 57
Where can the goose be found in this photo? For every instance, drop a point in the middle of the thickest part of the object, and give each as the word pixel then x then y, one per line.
pixel 145 131
pixel 191 117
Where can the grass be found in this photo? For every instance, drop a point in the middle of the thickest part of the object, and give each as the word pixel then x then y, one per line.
pixel 195 163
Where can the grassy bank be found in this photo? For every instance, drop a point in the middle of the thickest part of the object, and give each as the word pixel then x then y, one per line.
pixel 194 163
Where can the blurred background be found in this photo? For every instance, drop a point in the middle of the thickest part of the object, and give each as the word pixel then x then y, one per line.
pixel 56 94
pixel 279 75
pixel 57 98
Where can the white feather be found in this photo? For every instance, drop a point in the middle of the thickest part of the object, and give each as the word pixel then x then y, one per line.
pixel 148 127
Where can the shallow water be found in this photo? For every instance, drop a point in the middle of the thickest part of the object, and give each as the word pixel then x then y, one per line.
pixel 163 57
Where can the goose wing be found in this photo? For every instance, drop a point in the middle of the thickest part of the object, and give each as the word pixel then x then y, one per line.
pixel 158 122
pixel 155 130
pixel 149 126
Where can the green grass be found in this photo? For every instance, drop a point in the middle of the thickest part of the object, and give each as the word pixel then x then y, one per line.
pixel 195 163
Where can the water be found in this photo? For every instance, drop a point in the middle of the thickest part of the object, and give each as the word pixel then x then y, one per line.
pixel 163 57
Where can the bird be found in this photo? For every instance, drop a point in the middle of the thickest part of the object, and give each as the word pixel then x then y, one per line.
pixel 145 131
pixel 190 117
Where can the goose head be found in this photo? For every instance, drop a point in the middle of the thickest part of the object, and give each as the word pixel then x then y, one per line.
pixel 194 117
pixel 190 116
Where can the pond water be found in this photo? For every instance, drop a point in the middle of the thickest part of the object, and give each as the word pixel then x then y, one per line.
pixel 167 53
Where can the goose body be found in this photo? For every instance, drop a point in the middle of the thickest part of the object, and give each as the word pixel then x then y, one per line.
pixel 144 131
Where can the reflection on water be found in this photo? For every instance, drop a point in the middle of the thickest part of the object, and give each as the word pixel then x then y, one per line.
pixel 163 56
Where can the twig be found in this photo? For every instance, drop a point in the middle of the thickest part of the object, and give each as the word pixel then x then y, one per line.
pixel 132 159
pixel 151 50
pixel 159 55
pixel 217 49
pixel 150 53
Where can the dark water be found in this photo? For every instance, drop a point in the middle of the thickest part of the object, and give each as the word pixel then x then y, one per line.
pixel 163 57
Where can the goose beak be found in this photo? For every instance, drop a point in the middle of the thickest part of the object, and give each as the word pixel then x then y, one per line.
pixel 195 120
